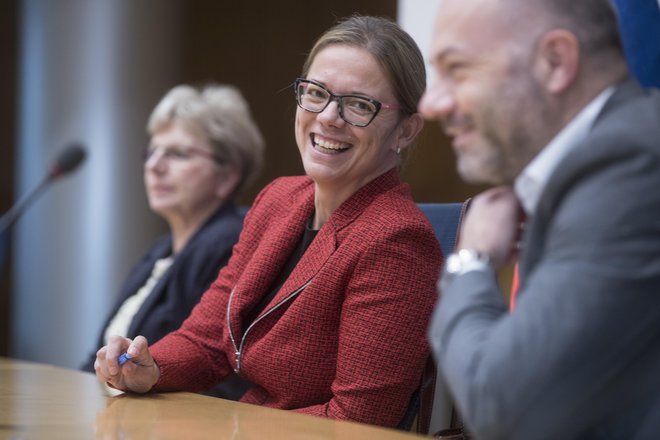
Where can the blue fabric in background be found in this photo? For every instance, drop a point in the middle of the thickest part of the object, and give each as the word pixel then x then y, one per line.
pixel 639 21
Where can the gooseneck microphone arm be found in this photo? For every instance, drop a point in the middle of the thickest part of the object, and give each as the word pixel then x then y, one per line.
pixel 66 162
pixel 15 211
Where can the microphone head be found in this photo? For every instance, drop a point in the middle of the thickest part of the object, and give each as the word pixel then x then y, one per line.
pixel 68 160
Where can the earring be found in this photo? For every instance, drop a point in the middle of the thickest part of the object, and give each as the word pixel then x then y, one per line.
pixel 398 151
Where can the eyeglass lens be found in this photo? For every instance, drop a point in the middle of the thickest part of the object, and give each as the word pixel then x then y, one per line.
pixel 177 153
pixel 355 110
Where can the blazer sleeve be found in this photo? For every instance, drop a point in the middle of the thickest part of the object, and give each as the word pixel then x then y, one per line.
pixel 582 343
pixel 192 357
pixel 191 277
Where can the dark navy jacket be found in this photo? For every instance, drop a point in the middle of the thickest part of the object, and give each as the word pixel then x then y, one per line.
pixel 183 284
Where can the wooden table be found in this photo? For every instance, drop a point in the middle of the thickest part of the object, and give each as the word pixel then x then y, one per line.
pixel 40 401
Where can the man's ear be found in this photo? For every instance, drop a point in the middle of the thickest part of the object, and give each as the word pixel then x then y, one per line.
pixel 409 129
pixel 556 60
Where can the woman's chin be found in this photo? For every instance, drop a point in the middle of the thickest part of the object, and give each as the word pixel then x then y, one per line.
pixel 320 172
pixel 162 208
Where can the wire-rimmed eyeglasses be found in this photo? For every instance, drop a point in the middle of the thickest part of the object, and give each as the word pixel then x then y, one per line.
pixel 179 154
pixel 357 110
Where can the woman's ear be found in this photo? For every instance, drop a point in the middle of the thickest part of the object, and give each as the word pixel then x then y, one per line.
pixel 228 180
pixel 408 131
pixel 556 60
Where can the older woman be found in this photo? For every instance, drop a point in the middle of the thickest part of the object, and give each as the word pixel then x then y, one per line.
pixel 205 147
pixel 325 302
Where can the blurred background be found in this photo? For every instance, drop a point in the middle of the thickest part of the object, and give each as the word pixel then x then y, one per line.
pixel 91 71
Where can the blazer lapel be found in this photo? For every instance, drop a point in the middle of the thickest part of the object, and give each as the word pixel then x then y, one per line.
pixel 326 242
pixel 268 260
pixel 534 240
pixel 272 254
pixel 314 258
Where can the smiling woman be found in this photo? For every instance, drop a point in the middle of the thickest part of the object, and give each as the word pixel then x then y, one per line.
pixel 338 154
pixel 325 301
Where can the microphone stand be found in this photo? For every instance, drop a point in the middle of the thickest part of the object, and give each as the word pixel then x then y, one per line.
pixel 13 214
pixel 15 211
pixel 67 161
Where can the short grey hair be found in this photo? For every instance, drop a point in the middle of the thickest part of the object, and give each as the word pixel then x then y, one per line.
pixel 222 114
pixel 593 22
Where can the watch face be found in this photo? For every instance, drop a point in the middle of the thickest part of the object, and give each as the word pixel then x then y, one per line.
pixel 453 263
pixel 466 260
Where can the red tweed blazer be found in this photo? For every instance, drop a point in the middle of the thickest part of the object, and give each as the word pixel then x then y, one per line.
pixel 345 335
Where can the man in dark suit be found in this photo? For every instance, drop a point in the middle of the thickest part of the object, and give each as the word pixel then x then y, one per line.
pixel 538 99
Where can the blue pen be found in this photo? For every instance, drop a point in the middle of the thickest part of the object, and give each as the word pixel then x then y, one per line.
pixel 121 360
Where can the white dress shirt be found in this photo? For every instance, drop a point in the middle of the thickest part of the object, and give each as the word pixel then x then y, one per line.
pixel 529 185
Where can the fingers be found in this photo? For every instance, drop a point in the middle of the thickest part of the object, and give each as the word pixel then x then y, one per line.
pixel 106 366
pixel 139 373
pixel 139 352
pixel 491 225
pixel 101 366
pixel 117 345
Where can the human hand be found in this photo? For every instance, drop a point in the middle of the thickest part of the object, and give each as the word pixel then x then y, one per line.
pixel 139 374
pixel 492 225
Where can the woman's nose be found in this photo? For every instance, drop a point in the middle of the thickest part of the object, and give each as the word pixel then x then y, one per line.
pixel 156 162
pixel 331 114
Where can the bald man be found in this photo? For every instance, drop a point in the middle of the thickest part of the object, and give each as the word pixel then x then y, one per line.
pixel 539 102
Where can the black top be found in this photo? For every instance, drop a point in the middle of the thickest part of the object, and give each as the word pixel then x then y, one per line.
pixel 308 236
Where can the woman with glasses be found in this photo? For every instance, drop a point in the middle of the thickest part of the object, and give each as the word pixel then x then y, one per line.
pixel 204 149
pixel 325 301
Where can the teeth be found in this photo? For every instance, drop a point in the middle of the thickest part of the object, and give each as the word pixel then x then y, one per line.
pixel 329 145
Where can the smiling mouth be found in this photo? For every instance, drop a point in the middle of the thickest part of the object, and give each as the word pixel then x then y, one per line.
pixel 457 125
pixel 328 146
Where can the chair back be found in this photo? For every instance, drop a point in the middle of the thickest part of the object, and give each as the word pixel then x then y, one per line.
pixel 436 408
pixel 445 219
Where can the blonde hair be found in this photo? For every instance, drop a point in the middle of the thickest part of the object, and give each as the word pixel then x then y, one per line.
pixel 221 113
pixel 392 48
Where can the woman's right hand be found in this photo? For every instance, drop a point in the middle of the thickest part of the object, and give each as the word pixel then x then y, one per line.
pixel 139 374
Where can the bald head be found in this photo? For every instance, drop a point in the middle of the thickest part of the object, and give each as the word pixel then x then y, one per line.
pixel 593 22
pixel 510 74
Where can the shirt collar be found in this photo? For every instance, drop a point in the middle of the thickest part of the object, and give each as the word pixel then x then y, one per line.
pixel 529 185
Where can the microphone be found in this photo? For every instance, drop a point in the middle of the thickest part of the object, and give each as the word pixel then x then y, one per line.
pixel 67 161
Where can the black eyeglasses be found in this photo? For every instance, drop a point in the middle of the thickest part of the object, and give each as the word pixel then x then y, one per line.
pixel 355 109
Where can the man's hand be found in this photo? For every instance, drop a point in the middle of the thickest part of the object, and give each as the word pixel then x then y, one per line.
pixel 492 225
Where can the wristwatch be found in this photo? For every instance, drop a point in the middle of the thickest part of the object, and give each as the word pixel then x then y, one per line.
pixel 466 260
